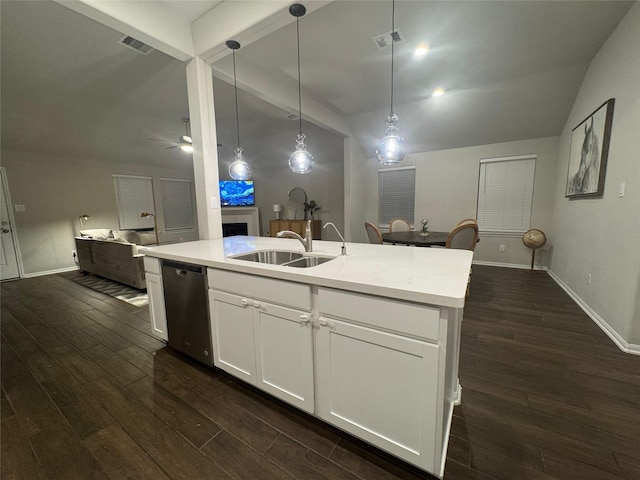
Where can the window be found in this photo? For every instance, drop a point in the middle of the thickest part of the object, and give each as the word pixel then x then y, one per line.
pixel 396 194
pixel 177 205
pixel 134 195
pixel 505 193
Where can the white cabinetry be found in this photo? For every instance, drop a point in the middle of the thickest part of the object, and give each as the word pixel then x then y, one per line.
pixel 378 373
pixel 268 344
pixel 155 292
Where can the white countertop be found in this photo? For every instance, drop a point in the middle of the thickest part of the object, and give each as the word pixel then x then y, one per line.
pixel 435 276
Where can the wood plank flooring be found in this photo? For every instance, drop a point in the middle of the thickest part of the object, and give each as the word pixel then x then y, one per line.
pixel 87 393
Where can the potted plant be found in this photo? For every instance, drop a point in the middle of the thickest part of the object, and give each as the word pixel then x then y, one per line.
pixel 310 208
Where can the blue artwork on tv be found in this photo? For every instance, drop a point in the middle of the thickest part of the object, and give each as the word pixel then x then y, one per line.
pixel 236 193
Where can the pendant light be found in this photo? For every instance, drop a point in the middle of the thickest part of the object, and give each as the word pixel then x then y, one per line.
pixel 239 169
pixel 300 161
pixel 391 149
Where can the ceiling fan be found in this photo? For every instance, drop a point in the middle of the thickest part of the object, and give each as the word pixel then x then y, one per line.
pixel 184 142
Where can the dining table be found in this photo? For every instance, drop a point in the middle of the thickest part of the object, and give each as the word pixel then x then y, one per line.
pixel 433 239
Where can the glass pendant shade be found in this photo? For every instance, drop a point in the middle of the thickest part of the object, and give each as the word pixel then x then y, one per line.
pixel 392 147
pixel 301 161
pixel 239 169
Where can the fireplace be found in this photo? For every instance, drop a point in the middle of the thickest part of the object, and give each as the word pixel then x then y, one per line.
pixel 240 221
pixel 231 229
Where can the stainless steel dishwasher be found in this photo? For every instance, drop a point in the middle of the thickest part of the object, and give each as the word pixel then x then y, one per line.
pixel 185 298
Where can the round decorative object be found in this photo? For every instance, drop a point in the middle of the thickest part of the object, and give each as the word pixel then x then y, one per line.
pixel 534 238
pixel 424 234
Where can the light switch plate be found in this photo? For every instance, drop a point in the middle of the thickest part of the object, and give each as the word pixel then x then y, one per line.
pixel 214 202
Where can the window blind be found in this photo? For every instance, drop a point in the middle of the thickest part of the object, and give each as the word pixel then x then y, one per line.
pixel 134 195
pixel 505 194
pixel 396 195
pixel 177 205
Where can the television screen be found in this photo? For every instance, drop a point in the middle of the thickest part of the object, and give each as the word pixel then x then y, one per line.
pixel 236 193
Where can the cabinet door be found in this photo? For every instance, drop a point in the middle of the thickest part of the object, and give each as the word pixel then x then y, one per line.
pixel 156 306
pixel 284 354
pixel 232 331
pixel 380 387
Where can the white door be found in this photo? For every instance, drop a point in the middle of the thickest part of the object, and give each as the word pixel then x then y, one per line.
pixel 380 387
pixel 232 331
pixel 8 252
pixel 284 354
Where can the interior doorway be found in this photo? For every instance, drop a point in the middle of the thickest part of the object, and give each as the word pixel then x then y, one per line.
pixel 9 267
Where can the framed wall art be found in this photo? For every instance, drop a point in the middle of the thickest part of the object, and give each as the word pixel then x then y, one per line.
pixel 589 151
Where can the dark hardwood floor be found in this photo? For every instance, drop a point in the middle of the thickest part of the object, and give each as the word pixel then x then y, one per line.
pixel 87 393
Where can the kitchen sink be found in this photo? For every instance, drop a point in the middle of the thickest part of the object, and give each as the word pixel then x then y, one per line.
pixel 283 258
pixel 273 257
pixel 309 261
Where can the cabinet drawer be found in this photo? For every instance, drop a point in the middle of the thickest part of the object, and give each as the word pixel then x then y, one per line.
pixel 407 318
pixel 291 294
pixel 151 265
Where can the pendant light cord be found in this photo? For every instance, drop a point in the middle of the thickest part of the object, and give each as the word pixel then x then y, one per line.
pixel 235 86
pixel 393 28
pixel 299 80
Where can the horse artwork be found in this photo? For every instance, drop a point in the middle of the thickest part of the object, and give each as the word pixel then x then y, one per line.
pixel 589 151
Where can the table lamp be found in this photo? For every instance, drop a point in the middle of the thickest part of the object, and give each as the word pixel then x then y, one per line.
pixel 277 208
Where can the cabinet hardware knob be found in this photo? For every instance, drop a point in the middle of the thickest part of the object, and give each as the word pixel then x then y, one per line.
pixel 256 304
pixel 244 302
pixel 304 319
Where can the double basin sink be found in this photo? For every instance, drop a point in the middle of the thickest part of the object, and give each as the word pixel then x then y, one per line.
pixel 283 258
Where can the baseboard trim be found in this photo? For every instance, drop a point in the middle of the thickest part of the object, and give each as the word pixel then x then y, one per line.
pixel 615 337
pixel 509 265
pixel 50 272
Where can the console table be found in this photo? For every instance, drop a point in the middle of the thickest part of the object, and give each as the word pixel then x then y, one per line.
pixel 297 226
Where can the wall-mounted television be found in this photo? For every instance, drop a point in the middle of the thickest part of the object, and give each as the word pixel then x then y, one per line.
pixel 237 193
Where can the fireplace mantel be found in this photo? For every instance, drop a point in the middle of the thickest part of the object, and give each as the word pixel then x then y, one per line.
pixel 248 215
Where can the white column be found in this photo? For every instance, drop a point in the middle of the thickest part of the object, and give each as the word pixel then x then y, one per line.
pixel 205 150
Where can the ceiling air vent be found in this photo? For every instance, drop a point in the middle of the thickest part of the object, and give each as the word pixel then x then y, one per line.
pixel 384 40
pixel 136 45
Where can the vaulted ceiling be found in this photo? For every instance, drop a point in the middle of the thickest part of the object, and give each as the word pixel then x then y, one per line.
pixel 511 71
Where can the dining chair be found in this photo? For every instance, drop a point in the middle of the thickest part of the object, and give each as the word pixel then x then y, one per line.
pixel 399 225
pixel 373 233
pixel 464 236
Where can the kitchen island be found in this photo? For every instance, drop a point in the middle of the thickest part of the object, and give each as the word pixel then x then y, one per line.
pixel 368 342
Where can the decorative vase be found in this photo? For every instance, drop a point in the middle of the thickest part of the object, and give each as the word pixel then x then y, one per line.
pixel 424 234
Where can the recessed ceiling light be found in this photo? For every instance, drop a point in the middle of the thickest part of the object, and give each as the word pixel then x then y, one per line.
pixel 421 50
pixel 438 92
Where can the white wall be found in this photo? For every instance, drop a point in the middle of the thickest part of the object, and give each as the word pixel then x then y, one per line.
pixel 447 192
pixel 269 156
pixel 56 190
pixel 600 236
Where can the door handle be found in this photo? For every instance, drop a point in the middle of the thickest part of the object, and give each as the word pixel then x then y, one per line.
pixel 326 323
pixel 182 273
pixel 4 230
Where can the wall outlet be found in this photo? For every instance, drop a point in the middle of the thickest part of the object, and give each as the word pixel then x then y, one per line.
pixel 501 248
pixel 588 279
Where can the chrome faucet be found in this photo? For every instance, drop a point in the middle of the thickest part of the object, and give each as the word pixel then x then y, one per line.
pixel 306 241
pixel 344 247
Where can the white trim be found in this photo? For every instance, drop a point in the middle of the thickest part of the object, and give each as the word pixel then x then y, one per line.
pixel 620 342
pixel 50 272
pixel 509 265
pixel 507 159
